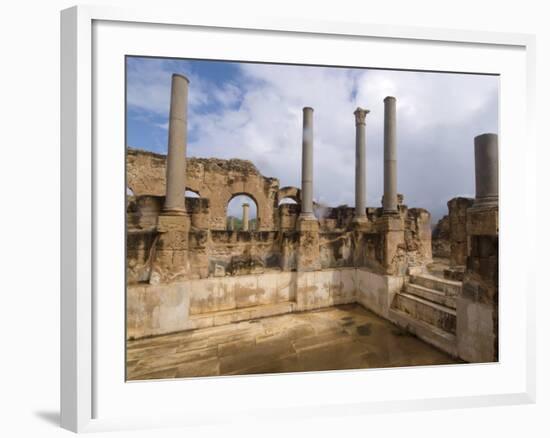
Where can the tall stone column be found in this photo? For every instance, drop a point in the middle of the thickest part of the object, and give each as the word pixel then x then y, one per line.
pixel 486 165
pixel 477 326
pixel 171 260
pixel 390 157
pixel 308 226
pixel 360 164
pixel 307 165
pixel 245 216
pixel 174 203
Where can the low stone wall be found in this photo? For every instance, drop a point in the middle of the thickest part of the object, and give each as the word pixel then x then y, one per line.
pixel 376 292
pixel 160 309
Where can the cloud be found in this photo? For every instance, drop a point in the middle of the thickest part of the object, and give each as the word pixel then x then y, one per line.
pixel 258 116
pixel 148 87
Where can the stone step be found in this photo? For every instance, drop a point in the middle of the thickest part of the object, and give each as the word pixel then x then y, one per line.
pixel 449 287
pixel 213 319
pixel 432 295
pixel 433 335
pixel 432 313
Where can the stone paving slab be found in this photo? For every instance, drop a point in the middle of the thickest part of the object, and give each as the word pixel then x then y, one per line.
pixel 340 337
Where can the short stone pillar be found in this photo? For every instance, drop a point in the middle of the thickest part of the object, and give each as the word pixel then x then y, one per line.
pixel 391 229
pixel 486 165
pixel 307 165
pixel 360 165
pixel 231 224
pixel 390 156
pixel 177 147
pixel 245 216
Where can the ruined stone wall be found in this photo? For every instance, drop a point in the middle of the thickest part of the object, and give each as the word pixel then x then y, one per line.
pixel 441 244
pixel 207 249
pixel 217 180
pixel 418 237
pixel 225 252
pixel 458 235
pixel 241 253
pixel 288 216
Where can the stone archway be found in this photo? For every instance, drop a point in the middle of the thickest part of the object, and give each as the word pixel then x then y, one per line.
pixel 235 210
pixel 289 192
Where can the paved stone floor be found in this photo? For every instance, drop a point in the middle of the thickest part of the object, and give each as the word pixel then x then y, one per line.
pixel 342 337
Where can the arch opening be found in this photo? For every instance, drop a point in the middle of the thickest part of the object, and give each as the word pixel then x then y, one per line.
pixel 191 194
pixel 242 213
pixel 287 200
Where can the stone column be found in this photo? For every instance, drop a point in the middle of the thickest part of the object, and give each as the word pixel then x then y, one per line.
pixel 177 146
pixel 360 164
pixel 308 226
pixel 245 217
pixel 486 164
pixel 307 165
pixel 171 259
pixel 231 225
pixel 477 303
pixel 390 157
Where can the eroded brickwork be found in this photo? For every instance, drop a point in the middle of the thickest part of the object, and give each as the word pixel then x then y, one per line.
pixel 203 246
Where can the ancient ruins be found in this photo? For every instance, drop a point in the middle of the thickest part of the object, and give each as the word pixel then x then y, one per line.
pixel 188 268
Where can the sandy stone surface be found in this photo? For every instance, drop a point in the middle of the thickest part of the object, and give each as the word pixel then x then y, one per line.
pixel 341 337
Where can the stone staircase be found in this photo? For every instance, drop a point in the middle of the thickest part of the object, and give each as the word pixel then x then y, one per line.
pixel 426 307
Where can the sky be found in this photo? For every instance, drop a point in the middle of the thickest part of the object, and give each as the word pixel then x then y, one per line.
pixel 254 111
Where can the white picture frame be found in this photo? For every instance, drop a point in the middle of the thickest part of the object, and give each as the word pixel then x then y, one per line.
pixel 81 180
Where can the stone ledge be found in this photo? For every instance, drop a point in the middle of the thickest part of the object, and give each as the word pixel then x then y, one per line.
pixel 428 333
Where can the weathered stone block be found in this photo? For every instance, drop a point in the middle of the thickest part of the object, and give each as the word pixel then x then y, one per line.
pixel 212 295
pixel 482 221
pixel 376 292
pixel 173 223
pixel 477 330
pixel 308 246
pixel 286 286
pixel 155 310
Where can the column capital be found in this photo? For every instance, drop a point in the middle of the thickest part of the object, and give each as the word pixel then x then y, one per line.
pixel 360 115
pixel 179 75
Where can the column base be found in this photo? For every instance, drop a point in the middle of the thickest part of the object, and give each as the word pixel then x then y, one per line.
pixel 389 222
pixel 308 244
pixel 392 231
pixel 390 212
pixel 486 202
pixel 482 221
pixel 171 256
pixel 307 217
pixel 360 223
pixel 174 212
pixel 173 222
